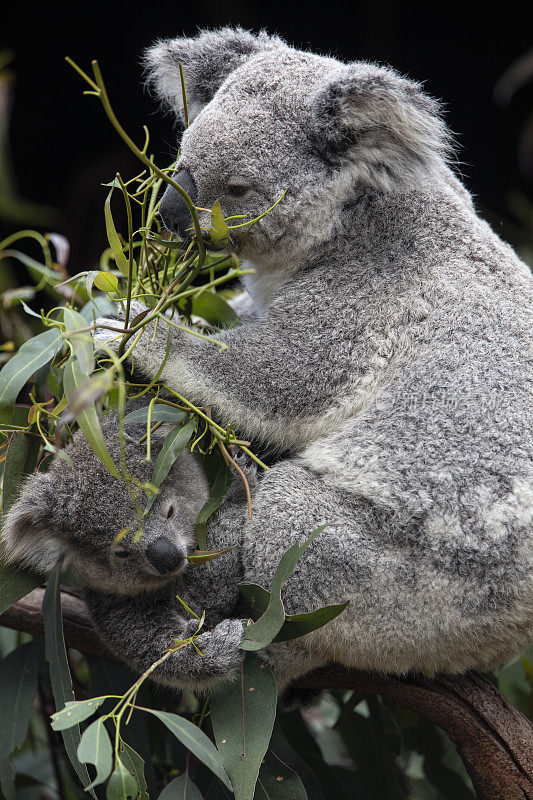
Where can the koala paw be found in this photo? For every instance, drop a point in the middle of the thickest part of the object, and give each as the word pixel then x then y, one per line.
pixel 220 647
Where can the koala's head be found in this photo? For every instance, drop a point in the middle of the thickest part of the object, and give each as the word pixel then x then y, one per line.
pixel 265 118
pixel 76 512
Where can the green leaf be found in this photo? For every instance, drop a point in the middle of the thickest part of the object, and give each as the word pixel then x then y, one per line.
pixel 202 556
pixel 56 655
pixel 135 763
pixel 82 343
pixel 174 444
pixel 160 413
pixel 277 782
pixel 181 788
pixel 296 625
pixel 213 308
pixel 255 597
pixel 21 460
pixel 242 715
pixel 95 748
pixel 269 624
pixel 33 354
pixel 73 380
pixel 219 232
pixel 106 281
pixel 122 783
pixel 216 496
pixel 18 679
pixel 194 740
pixel 75 711
pixel 15 584
pixel 112 235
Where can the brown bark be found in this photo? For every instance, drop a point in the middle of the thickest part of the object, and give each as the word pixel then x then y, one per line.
pixel 492 737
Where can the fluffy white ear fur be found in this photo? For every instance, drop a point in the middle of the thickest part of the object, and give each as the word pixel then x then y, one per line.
pixel 29 535
pixel 207 60
pixel 382 125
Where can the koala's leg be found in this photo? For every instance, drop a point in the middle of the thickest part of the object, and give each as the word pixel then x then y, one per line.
pixel 423 594
pixel 140 628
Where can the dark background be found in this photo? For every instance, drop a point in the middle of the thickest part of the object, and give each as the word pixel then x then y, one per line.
pixel 63 147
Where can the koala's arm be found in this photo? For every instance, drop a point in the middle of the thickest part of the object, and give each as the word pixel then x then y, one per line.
pixel 270 372
pixel 140 628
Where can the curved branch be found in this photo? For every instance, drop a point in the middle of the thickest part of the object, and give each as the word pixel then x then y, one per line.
pixel 492 737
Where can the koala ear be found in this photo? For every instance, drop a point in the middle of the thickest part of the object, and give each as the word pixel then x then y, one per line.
pixel 29 534
pixel 207 60
pixel 383 124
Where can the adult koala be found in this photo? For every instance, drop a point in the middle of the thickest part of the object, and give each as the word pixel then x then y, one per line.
pixel 388 350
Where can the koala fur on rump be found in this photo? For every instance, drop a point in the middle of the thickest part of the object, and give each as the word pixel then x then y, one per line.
pixel 386 347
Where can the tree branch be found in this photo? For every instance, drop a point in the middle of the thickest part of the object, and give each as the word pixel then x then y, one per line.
pixel 492 737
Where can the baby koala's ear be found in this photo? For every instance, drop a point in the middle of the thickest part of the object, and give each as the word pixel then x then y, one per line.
pixel 381 123
pixel 29 533
pixel 207 60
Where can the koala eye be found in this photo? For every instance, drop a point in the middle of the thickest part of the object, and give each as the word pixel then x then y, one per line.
pixel 237 189
pixel 122 554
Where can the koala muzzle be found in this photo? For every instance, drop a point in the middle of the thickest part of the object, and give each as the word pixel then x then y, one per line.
pixel 173 209
pixel 164 555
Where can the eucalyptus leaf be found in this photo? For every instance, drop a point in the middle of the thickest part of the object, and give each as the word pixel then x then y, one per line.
pixel 15 584
pixel 95 748
pixel 219 232
pixel 112 235
pixel 21 459
pixel 135 764
pixel 56 656
pixel 194 740
pixel 18 679
pixel 242 716
pixel 203 556
pixel 175 442
pixel 255 597
pixel 106 281
pixel 32 355
pixel 216 496
pixel 277 781
pixel 296 625
pixel 73 379
pixel 122 784
pixel 181 788
pixel 269 624
pixel 74 712
pixel 160 413
pixel 82 343
pixel 211 307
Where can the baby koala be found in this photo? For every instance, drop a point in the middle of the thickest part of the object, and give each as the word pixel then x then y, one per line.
pixel 130 586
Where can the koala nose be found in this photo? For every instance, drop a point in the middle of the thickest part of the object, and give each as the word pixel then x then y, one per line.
pixel 164 555
pixel 173 209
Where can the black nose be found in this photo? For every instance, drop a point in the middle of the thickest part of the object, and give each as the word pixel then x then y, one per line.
pixel 164 555
pixel 173 209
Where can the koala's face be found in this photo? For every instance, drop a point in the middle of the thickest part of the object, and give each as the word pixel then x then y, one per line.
pixel 266 118
pixel 248 146
pixel 251 143
pixel 77 513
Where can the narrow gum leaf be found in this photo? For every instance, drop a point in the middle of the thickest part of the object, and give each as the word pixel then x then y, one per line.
pixel 87 418
pixel 242 715
pixel 112 235
pixel 32 355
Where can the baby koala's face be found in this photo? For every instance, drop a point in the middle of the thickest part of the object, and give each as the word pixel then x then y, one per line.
pixel 81 512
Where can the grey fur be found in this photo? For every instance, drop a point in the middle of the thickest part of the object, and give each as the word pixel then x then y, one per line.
pixel 389 351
